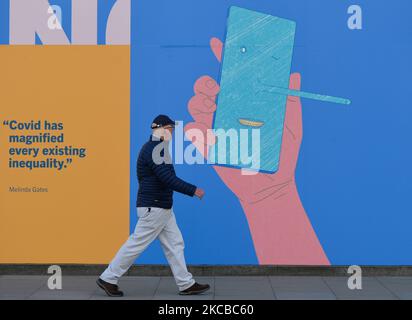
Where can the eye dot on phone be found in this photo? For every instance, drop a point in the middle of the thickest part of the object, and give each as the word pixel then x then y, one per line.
pixel 243 49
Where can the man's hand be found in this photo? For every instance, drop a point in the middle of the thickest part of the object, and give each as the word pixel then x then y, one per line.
pixel 199 193
pixel 280 228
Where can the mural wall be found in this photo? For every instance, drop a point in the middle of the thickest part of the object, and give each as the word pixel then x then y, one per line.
pixel 293 117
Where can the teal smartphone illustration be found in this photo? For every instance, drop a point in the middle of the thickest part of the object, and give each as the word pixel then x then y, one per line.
pixel 249 121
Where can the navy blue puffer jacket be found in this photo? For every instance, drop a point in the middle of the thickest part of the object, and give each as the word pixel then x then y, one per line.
pixel 158 181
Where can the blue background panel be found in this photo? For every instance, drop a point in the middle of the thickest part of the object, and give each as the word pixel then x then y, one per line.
pixel 353 172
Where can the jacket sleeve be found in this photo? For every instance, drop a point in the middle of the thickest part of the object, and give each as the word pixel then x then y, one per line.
pixel 167 175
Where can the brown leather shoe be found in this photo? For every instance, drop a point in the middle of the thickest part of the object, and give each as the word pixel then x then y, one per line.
pixel 111 290
pixel 195 289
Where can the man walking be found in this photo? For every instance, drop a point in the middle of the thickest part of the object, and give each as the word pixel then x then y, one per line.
pixel 157 181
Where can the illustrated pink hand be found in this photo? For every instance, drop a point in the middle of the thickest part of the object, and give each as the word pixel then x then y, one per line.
pixel 250 189
pixel 280 228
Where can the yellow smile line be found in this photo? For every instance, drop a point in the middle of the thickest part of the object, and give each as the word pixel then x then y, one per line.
pixel 251 123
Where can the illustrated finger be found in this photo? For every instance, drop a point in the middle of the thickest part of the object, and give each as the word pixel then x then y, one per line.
pixel 207 86
pixel 202 109
pixel 293 121
pixel 217 47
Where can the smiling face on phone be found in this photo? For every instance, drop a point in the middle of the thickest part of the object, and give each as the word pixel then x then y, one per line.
pixel 258 50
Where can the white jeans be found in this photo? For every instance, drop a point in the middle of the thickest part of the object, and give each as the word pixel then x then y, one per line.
pixel 153 223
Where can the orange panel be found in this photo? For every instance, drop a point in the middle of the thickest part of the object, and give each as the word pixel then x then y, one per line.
pixel 84 215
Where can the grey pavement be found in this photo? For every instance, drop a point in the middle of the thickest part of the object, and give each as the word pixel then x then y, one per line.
pixel 222 288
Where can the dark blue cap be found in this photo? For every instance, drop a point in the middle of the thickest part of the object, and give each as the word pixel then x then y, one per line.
pixel 162 121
